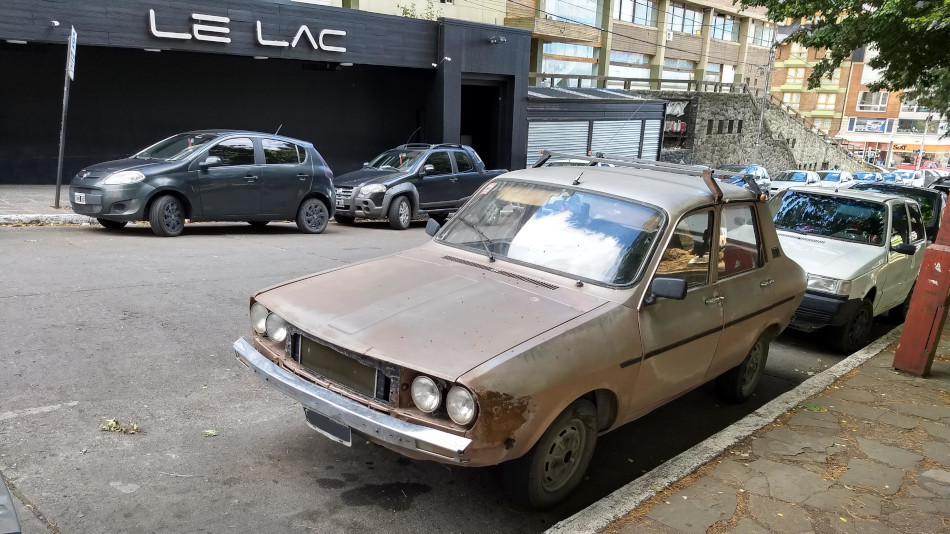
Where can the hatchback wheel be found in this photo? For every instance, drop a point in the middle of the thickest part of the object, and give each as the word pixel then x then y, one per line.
pixel 739 383
pixel 853 335
pixel 167 217
pixel 400 213
pixel 112 225
pixel 556 464
pixel 312 217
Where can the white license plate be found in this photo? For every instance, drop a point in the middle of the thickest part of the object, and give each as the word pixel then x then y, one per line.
pixel 79 198
pixel 339 202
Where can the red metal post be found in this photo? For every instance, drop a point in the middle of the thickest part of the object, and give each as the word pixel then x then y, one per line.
pixel 928 307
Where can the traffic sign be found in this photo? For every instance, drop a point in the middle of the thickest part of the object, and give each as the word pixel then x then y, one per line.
pixel 71 60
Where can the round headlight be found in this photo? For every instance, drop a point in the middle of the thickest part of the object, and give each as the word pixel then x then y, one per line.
pixel 124 177
pixel 460 404
pixel 368 190
pixel 258 317
pixel 426 394
pixel 276 327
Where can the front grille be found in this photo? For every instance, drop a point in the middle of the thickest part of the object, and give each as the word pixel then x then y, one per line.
pixel 365 376
pixel 345 192
pixel 87 209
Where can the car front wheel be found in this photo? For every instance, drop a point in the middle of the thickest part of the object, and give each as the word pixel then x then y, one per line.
pixel 400 213
pixel 112 225
pixel 853 335
pixel 312 217
pixel 553 468
pixel 167 217
pixel 739 383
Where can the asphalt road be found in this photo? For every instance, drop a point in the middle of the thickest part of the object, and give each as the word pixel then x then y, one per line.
pixel 100 325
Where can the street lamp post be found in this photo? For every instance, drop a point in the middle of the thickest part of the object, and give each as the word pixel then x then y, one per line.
pixel 923 139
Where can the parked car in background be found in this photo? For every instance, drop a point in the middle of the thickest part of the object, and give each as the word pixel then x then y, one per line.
pixel 836 178
pixel 906 177
pixel 890 177
pixel 209 175
pixel 517 339
pixel 410 180
pixel 865 176
pixel 758 172
pixel 862 252
pixel 932 202
pixel 790 178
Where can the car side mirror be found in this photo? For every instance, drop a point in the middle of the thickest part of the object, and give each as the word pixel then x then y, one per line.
pixel 428 168
pixel 905 248
pixel 432 226
pixel 365 164
pixel 669 288
pixel 211 161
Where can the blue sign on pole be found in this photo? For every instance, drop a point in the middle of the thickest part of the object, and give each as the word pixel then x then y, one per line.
pixel 71 62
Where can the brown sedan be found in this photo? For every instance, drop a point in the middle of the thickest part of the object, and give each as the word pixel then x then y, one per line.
pixel 558 304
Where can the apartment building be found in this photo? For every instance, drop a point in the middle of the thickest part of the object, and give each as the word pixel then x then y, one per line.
pixel 824 105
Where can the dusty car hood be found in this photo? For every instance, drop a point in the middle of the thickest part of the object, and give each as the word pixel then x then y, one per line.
pixel 830 257
pixel 420 311
pixel 367 176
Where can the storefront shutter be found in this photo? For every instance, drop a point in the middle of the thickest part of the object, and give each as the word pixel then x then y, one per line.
pixel 617 138
pixel 557 136
pixel 651 139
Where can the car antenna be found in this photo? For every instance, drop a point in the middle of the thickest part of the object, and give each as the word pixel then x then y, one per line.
pixel 278 129
pixel 577 181
pixel 412 134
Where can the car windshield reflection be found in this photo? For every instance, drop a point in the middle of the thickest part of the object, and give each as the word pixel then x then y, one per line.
pixel 839 218
pixel 578 234
pixel 791 176
pixel 177 147
pixel 396 160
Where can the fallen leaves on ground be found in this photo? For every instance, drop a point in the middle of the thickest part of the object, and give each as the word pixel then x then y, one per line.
pixel 113 425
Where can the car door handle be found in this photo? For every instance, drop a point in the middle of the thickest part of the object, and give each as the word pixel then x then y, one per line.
pixel 714 300
pixel 250 178
pixel 454 179
pixel 766 283
pixel 303 176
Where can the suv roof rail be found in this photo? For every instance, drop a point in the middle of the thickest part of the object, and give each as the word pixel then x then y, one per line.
pixel 416 145
pixel 447 145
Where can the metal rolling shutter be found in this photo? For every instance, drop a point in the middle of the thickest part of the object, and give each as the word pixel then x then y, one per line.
pixel 651 139
pixel 560 136
pixel 617 138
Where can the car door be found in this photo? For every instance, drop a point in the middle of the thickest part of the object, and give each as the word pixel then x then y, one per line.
pixel 233 188
pixel 899 268
pixel 288 174
pixel 744 282
pixel 469 179
pixel 438 187
pixel 679 337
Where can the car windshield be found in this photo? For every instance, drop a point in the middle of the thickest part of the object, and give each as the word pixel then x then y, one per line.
pixel 889 177
pixel 791 176
pixel 836 217
pixel 833 176
pixel 578 234
pixel 401 160
pixel 867 176
pixel 926 201
pixel 176 147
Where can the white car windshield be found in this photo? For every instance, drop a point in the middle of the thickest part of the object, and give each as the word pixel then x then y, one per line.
pixel 836 217
pixel 579 234
pixel 830 176
pixel 791 176
pixel 401 160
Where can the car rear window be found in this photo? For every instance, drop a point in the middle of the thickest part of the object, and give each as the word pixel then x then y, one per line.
pixel 277 151
pixel 842 218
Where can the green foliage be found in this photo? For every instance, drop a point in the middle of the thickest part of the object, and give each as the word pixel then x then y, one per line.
pixel 430 13
pixel 912 39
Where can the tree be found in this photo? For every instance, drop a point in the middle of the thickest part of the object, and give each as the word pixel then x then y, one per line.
pixel 912 39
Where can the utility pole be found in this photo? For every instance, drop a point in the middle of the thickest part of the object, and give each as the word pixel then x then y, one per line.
pixel 923 139
pixel 779 35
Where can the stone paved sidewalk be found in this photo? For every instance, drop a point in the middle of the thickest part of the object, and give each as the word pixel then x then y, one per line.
pixel 869 454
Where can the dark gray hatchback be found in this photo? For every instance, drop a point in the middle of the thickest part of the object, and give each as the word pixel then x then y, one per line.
pixel 210 175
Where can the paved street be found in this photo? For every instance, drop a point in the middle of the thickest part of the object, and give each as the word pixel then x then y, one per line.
pixel 101 325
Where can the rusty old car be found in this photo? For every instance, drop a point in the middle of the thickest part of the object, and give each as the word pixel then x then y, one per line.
pixel 558 304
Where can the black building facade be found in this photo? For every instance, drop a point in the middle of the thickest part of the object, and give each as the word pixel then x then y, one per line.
pixel 352 82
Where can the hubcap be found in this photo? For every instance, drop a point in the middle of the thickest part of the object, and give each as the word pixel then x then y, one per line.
pixel 752 367
pixel 859 327
pixel 404 213
pixel 315 216
pixel 560 462
pixel 171 217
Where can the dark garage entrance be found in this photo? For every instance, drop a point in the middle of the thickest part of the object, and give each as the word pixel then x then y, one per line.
pixel 482 121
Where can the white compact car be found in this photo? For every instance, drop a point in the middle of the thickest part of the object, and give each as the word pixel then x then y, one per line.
pixel 836 179
pixel 793 178
pixel 862 252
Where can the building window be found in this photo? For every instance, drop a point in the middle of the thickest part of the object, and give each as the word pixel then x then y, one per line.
pixel 917 126
pixel 731 124
pixel 912 107
pixel 628 65
pixel 868 101
pixel 571 59
pixel 684 20
pixel 725 27
pixel 796 76
pixel 823 124
pixel 678 69
pixel 826 102
pixel 834 78
pixel 792 99
pixel 713 72
pixel 722 126
pixel 798 51
pixel 709 127
pixel 641 12
pixel 762 36
pixel 739 127
pixel 576 11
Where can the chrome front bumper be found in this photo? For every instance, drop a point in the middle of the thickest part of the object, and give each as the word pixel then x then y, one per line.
pixel 401 434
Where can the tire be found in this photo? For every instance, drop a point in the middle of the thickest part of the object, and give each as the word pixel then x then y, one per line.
pixel 258 224
pixel 853 335
pixel 440 218
pixel 738 384
pixel 400 213
pixel 312 217
pixel 344 219
pixel 167 217
pixel 112 225
pixel 553 468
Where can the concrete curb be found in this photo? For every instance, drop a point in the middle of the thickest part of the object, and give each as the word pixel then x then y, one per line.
pixel 65 218
pixel 599 515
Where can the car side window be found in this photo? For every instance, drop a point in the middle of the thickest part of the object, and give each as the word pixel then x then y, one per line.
pixel 917 231
pixel 301 154
pixel 278 152
pixel 739 240
pixel 441 162
pixel 463 162
pixel 238 151
pixel 900 229
pixel 687 255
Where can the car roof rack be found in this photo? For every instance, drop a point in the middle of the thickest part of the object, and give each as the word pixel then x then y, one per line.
pixel 416 145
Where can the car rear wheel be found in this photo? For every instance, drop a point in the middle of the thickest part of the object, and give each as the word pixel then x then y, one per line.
pixel 167 217
pixel 112 225
pixel 258 224
pixel 400 213
pixel 344 219
pixel 556 464
pixel 739 383
pixel 312 217
pixel 853 335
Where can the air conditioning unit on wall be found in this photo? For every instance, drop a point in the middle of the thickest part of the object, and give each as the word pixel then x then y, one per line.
pixel 669 36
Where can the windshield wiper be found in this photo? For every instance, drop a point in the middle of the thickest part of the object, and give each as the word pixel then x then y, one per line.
pixel 484 238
